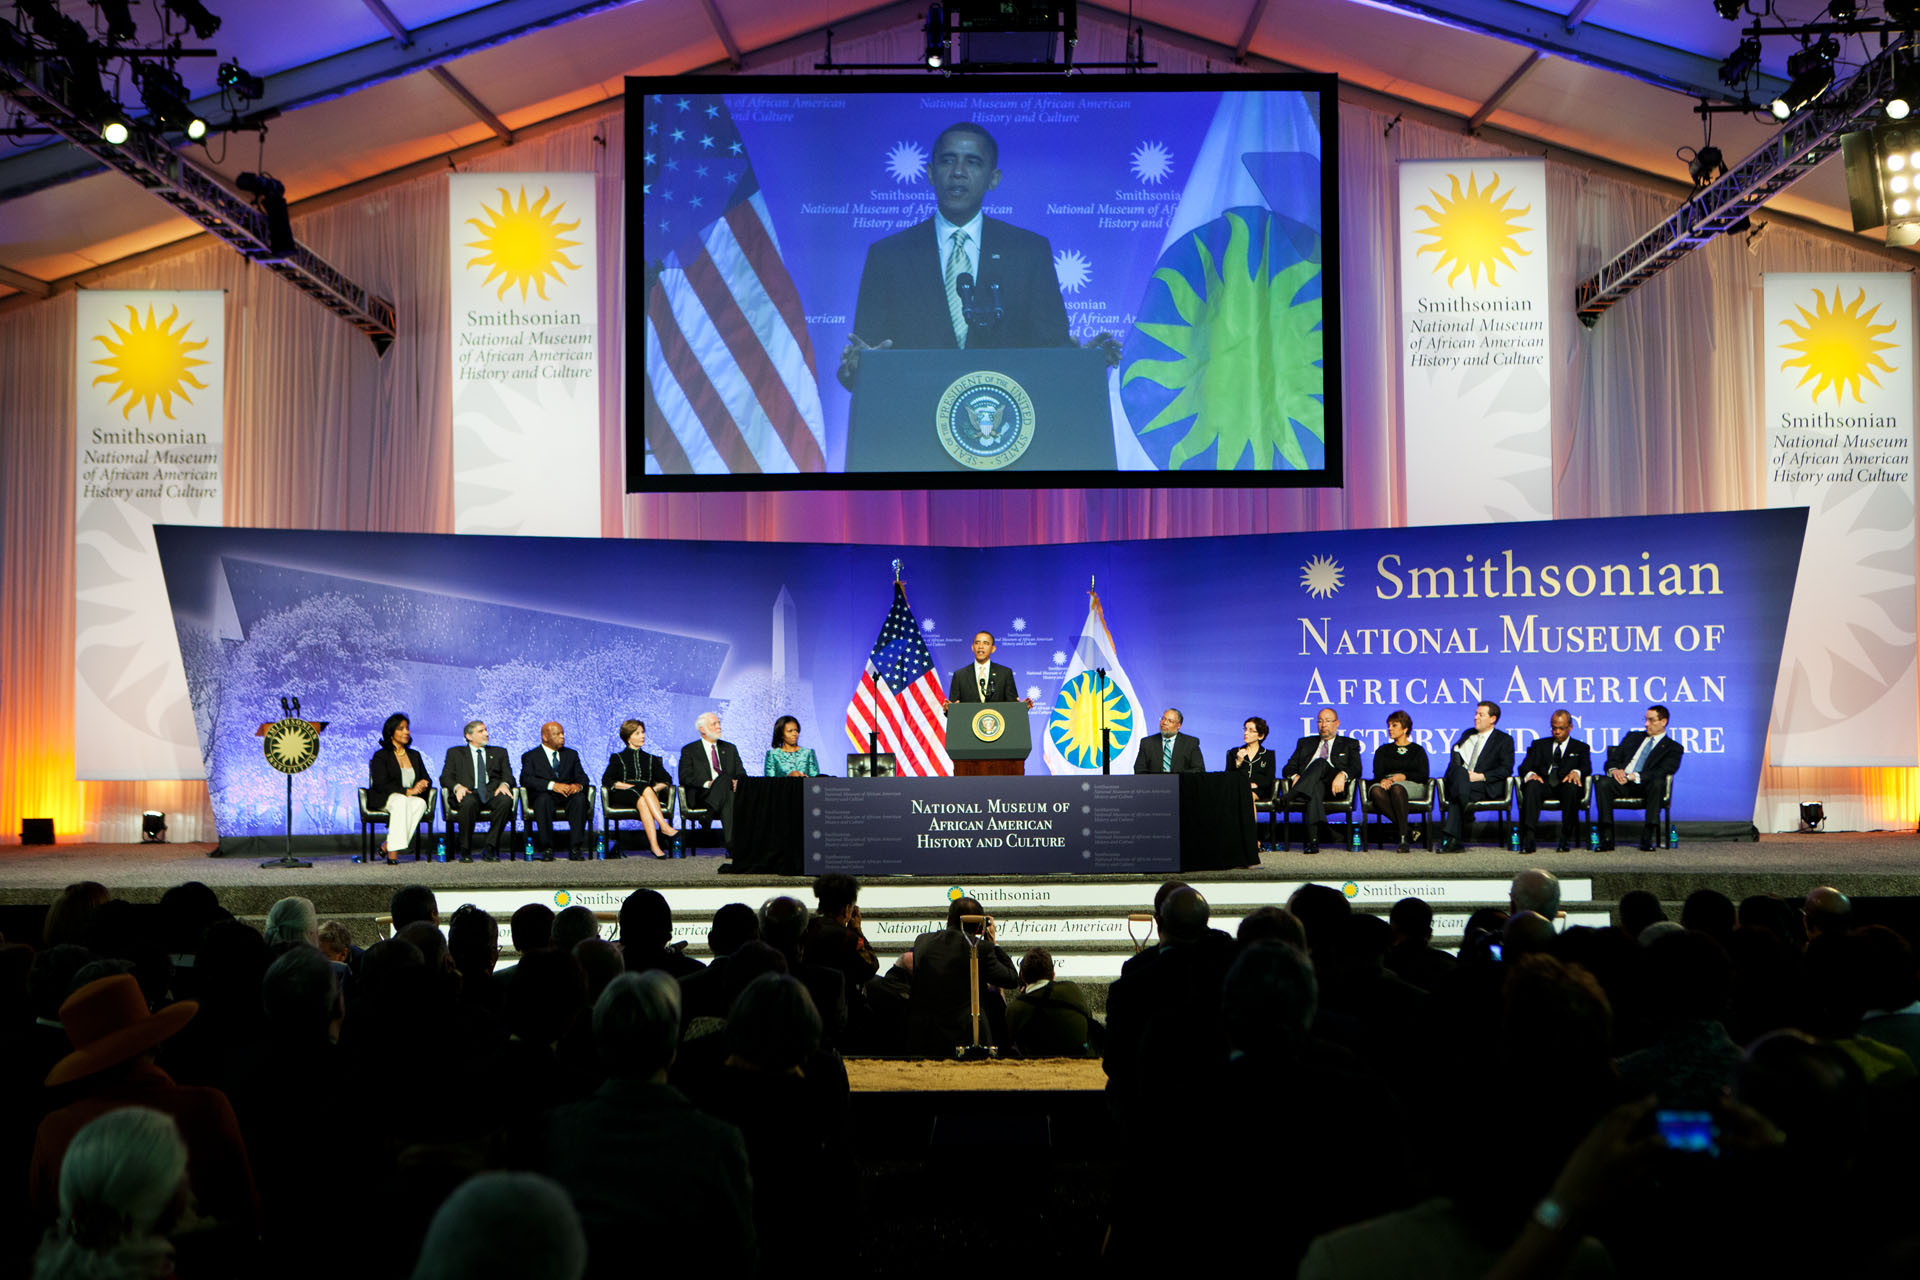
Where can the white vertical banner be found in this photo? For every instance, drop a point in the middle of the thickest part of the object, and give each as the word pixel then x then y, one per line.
pixel 1475 377
pixel 150 374
pixel 1838 356
pixel 524 288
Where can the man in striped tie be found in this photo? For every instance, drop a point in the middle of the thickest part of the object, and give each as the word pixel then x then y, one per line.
pixel 917 283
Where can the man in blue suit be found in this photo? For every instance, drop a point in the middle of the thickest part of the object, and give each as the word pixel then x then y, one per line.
pixel 1477 769
pixel 910 289
pixel 554 780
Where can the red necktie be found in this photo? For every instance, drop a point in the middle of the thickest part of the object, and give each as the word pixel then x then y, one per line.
pixel 713 754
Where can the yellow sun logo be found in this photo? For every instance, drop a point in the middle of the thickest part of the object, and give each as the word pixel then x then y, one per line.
pixel 1474 230
pixel 522 244
pixel 1350 889
pixel 1322 577
pixel 151 361
pixel 1075 727
pixel 561 898
pixel 1839 346
pixel 955 893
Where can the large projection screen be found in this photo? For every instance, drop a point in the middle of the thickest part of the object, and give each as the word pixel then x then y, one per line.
pixel 1146 291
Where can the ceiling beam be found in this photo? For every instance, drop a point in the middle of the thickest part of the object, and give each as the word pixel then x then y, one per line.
pixel 727 41
pixel 1557 35
pixel 31 285
pixel 1245 42
pixel 328 78
pixel 1533 59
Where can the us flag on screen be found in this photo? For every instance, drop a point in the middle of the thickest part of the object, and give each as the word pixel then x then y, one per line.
pixel 730 384
pixel 899 697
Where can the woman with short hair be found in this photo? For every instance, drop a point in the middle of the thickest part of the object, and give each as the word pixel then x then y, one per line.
pixel 635 775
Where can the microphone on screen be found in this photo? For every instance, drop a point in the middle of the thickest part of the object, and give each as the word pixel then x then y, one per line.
pixel 963 285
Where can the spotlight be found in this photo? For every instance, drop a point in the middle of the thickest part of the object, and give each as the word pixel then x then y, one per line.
pixel 1843 10
pixel 195 15
pixel 270 197
pixel 153 827
pixel 1741 64
pixel 1811 70
pixel 1706 165
pixel 1905 93
pixel 121 28
pixel 1811 816
pixel 1729 9
pixel 165 96
pixel 1883 180
pixel 936 30
pixel 115 128
pixel 241 83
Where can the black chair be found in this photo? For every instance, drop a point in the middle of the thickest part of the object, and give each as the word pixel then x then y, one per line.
pixel 612 815
pixel 1349 805
pixel 1583 812
pixel 1419 808
pixel 1658 808
pixel 1501 804
pixel 511 842
pixel 690 814
pixel 371 818
pixel 560 818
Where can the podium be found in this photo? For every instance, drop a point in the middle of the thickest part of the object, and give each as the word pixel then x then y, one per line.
pixel 988 739
pixel 981 411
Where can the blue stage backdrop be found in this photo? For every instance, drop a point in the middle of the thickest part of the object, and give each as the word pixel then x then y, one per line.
pixel 1599 616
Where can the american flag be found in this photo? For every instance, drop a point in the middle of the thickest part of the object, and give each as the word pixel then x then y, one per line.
pixel 899 697
pixel 730 386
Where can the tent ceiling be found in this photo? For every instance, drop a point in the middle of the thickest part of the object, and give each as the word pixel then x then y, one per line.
pixel 1415 50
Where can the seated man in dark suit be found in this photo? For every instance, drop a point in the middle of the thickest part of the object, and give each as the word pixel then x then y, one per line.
pixel 1477 769
pixel 940 1010
pixel 1637 767
pixel 553 777
pixel 1558 765
pixel 1324 766
pixel 1050 1018
pixel 710 768
pixel 916 285
pixel 610 1150
pixel 1170 751
pixel 479 778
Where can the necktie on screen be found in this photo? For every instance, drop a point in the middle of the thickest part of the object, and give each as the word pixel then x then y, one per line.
pixel 957 263
pixel 1640 756
pixel 1166 755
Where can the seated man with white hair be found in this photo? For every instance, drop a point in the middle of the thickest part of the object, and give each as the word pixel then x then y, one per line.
pixel 1535 890
pixel 121 1192
pixel 609 1150
pixel 710 769
pixel 292 920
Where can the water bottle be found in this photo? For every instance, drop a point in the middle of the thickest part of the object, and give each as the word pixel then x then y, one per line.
pixel 600 848
pixel 439 848
pixel 1353 829
pixel 676 848
pixel 527 854
pixel 1673 836
pixel 1513 839
pixel 1593 838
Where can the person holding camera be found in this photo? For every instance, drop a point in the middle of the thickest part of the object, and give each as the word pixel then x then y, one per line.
pixel 940 1010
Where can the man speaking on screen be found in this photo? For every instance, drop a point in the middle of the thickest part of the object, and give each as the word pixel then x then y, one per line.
pixel 960 279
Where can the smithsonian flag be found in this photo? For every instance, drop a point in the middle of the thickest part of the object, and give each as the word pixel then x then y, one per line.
pixel 1073 729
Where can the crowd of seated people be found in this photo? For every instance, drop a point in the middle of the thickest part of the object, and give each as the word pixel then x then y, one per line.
pixel 1323 1090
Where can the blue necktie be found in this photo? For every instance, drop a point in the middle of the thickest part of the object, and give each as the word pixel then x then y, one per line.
pixel 1640 756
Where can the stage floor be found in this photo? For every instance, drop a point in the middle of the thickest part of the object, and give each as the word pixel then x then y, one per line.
pixel 1857 862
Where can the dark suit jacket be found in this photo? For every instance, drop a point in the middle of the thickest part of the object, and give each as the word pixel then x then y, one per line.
pixel 1259 769
pixel 1540 760
pixel 610 1150
pixel 458 769
pixel 537 775
pixel 1000 686
pixel 1344 758
pixel 939 1010
pixel 1496 757
pixel 903 292
pixel 634 766
pixel 1186 755
pixel 696 771
pixel 383 775
pixel 1662 762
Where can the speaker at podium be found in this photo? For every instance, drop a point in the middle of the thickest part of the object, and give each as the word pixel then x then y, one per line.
pixel 981 411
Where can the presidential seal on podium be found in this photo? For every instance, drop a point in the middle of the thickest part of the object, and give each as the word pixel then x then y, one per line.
pixel 988 724
pixel 984 420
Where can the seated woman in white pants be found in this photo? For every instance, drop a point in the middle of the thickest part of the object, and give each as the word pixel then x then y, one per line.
pixel 398 782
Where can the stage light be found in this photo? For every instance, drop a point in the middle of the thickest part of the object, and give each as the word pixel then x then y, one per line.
pixel 1843 10
pixel 1900 100
pixel 1706 165
pixel 241 83
pixel 114 131
pixel 1883 179
pixel 36 831
pixel 1741 64
pixel 165 96
pixel 270 197
pixel 1729 9
pixel 195 15
pixel 1812 815
pixel 121 28
pixel 1811 71
pixel 936 30
pixel 153 827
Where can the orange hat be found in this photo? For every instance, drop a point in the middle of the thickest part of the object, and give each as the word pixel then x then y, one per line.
pixel 109 1024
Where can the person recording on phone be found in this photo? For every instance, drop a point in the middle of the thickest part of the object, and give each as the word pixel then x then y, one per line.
pixel 940 1010
pixel 960 279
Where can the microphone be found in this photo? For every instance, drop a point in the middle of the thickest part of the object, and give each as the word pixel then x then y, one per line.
pixel 285 710
pixel 963 285
pixel 296 706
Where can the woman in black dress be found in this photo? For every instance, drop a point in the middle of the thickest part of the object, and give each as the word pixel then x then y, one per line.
pixel 1398 760
pixel 398 781
pixel 1253 759
pixel 634 775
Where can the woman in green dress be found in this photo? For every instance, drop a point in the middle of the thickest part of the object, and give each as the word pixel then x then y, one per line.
pixel 787 758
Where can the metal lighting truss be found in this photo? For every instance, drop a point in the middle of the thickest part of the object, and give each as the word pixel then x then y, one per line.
pixel 1795 151
pixel 194 192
